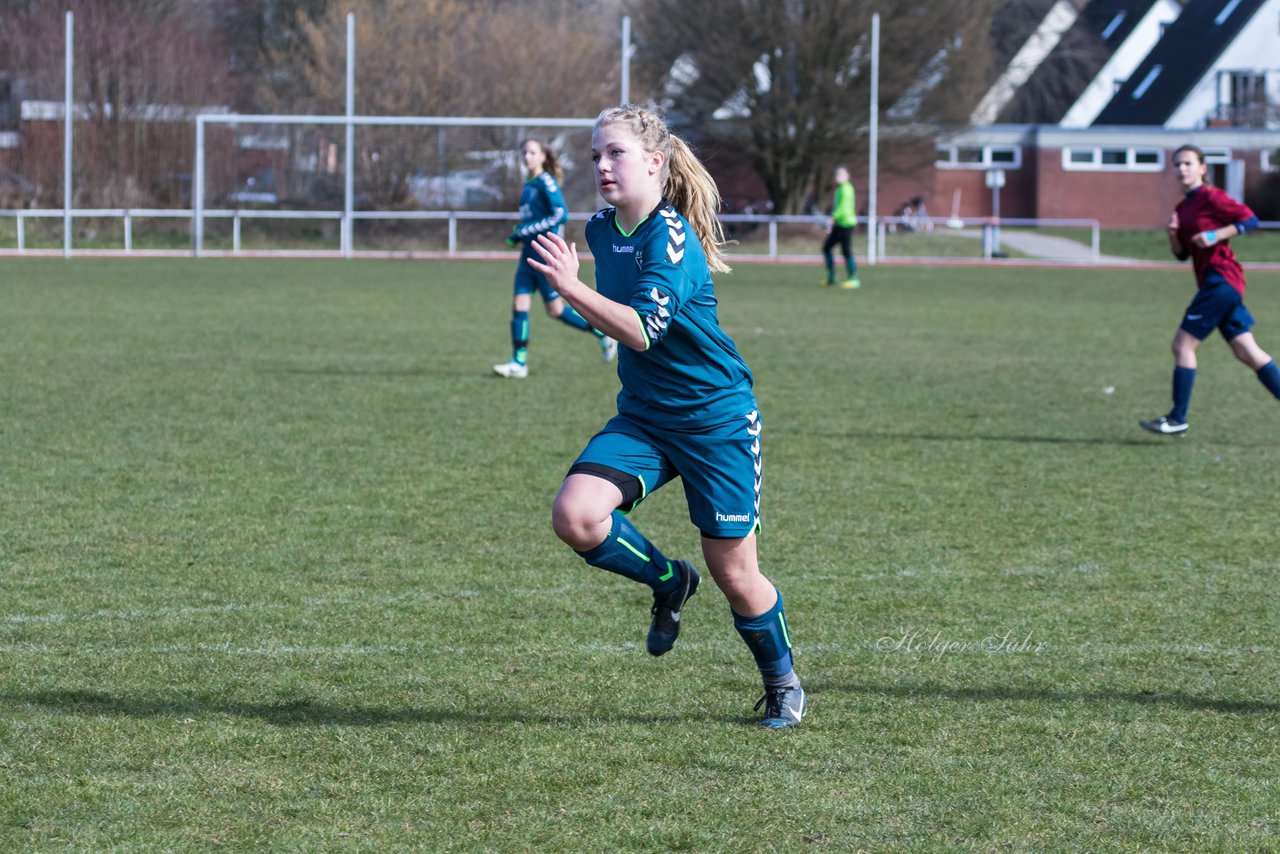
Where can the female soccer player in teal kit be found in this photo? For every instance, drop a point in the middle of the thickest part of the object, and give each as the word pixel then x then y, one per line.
pixel 542 211
pixel 686 408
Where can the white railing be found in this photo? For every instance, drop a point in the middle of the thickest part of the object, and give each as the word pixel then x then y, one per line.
pixel 237 217
pixel 976 238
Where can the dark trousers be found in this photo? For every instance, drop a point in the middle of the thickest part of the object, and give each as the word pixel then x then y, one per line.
pixel 843 236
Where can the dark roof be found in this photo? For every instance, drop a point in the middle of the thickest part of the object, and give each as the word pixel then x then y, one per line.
pixel 1076 60
pixel 1016 22
pixel 1189 48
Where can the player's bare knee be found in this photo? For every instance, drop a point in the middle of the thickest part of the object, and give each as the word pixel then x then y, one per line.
pixel 578 524
pixel 570 524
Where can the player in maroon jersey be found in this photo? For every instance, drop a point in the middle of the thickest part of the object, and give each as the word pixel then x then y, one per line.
pixel 1199 229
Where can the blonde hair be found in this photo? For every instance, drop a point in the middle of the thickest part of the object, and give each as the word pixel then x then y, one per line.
pixel 685 181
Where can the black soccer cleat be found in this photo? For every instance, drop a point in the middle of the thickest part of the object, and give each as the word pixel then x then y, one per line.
pixel 665 627
pixel 1164 426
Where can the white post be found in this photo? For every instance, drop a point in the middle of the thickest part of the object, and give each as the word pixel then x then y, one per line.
pixel 874 141
pixel 67 120
pixel 197 193
pixel 235 232
pixel 626 59
pixel 22 237
pixel 128 232
pixel 348 189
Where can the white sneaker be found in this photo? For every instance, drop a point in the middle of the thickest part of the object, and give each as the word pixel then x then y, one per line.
pixel 511 369
pixel 608 349
pixel 1164 425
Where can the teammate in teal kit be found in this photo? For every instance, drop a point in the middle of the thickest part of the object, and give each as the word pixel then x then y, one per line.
pixel 542 211
pixel 686 408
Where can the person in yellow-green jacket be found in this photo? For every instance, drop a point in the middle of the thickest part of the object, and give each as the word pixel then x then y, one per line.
pixel 844 219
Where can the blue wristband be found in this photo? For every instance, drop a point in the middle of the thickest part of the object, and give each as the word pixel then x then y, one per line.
pixel 1210 237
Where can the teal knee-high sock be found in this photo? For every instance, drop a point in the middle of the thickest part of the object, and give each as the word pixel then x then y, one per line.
pixel 629 553
pixel 767 637
pixel 520 336
pixel 571 317
pixel 1269 376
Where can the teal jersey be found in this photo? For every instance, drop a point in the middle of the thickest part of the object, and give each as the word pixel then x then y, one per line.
pixel 691 375
pixel 542 208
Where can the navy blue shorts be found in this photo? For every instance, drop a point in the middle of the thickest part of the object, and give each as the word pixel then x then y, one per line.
pixel 721 467
pixel 529 280
pixel 1217 305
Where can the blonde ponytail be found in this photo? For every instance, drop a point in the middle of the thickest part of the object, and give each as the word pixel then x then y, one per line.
pixel 693 192
pixel 685 181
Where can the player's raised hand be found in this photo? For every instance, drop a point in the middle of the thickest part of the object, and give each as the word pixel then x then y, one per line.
pixel 559 260
pixel 1173 222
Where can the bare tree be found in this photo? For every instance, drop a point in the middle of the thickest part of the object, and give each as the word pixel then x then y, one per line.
pixel 785 82
pixel 447 58
pixel 141 70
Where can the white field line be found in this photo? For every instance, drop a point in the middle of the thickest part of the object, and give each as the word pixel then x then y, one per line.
pixel 938 650
pixel 943 572
pixel 426 595
pixel 232 607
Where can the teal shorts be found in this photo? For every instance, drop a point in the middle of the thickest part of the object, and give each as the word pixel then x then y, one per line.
pixel 721 467
pixel 529 280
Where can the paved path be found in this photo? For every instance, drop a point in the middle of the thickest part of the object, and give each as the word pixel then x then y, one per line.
pixel 1048 246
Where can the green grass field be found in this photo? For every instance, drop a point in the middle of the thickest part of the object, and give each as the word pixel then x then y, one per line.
pixel 277 572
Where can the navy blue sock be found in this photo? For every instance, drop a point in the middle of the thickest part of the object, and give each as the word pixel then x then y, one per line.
pixel 767 638
pixel 1269 376
pixel 520 336
pixel 629 553
pixel 1184 379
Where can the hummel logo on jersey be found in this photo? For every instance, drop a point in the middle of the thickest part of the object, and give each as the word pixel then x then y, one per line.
pixel 675 235
pixel 623 249
pixel 657 322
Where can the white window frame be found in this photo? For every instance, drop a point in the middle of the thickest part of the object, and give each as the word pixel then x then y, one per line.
pixel 1095 164
pixel 952 151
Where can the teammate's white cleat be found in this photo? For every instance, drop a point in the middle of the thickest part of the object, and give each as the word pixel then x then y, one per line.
pixel 514 370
